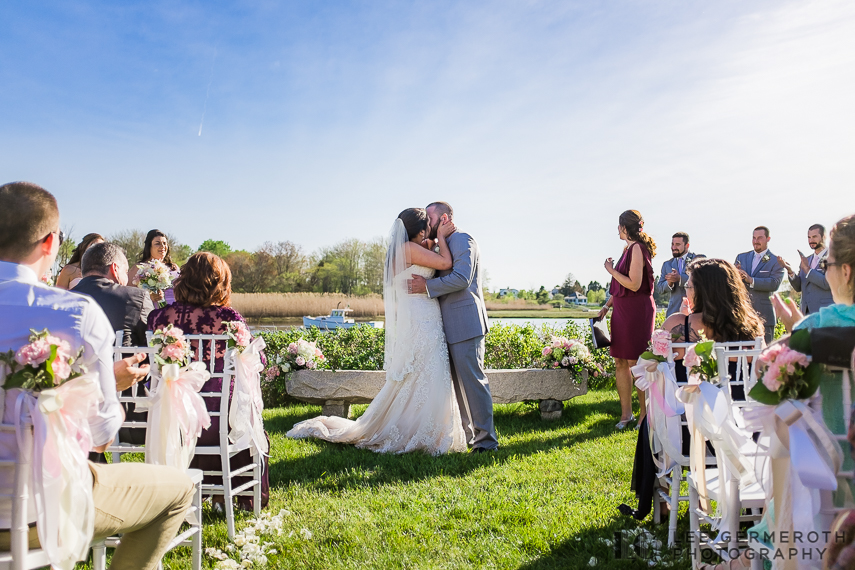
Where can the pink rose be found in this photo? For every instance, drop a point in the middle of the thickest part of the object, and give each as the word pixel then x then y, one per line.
pixel 271 373
pixel 547 351
pixel 292 348
pixel 596 374
pixel 318 352
pixel 691 359
pixel 243 336
pixel 771 378
pixel 311 365
pixel 61 369
pixel 565 361
pixel 301 361
pixel 172 352
pixel 33 354
pixel 573 360
pixel 661 341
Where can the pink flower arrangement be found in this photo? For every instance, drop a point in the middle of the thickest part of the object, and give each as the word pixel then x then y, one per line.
pixel 782 366
pixel 570 353
pixel 300 361
pixel 691 359
pixel 44 362
pixel 239 335
pixel 174 348
pixel 547 351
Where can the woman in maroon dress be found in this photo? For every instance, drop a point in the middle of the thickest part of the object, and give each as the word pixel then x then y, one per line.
pixel 634 309
pixel 202 298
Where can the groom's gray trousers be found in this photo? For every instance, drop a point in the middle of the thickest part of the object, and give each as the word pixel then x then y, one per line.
pixel 473 392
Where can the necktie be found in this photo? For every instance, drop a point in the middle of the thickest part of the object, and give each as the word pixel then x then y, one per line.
pixel 679 265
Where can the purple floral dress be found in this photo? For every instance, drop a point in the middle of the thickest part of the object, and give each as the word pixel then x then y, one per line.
pixel 193 319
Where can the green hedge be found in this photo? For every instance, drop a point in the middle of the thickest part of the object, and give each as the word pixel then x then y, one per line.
pixel 361 348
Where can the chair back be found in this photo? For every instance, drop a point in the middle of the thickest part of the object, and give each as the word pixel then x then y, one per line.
pixel 136 395
pixel 18 470
pixel 205 351
pixel 745 375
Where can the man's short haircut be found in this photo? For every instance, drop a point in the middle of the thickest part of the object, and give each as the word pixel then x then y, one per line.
pixel 683 235
pixel 99 257
pixel 28 213
pixel 819 227
pixel 764 228
pixel 443 208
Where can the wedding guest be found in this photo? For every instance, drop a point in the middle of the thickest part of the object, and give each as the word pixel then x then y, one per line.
pixel 203 306
pixel 156 247
pixel 71 274
pixel 761 271
pixel 720 311
pixel 634 309
pixel 105 278
pixel 147 503
pixel 810 280
pixel 673 278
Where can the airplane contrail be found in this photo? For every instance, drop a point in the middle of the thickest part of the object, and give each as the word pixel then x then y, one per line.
pixel 207 91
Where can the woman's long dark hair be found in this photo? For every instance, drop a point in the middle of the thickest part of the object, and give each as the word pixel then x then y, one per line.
pixel 146 252
pixel 83 246
pixel 415 220
pixel 633 223
pixel 722 299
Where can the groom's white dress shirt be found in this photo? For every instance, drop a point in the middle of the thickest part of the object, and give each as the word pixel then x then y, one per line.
pixel 26 303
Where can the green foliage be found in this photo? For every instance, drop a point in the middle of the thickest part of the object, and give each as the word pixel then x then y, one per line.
pixel 780 330
pixel 362 348
pixel 596 296
pixel 542 296
pixel 217 247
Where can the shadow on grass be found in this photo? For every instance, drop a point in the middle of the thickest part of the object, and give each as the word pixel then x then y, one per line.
pixel 337 467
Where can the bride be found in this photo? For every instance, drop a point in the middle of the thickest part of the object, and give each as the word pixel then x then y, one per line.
pixel 417 408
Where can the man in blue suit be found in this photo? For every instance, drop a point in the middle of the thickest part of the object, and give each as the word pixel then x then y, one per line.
pixel 674 276
pixel 762 273
pixel 810 281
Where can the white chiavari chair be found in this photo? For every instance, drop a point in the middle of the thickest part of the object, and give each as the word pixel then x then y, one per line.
pixel 139 396
pixel 225 450
pixel 829 508
pixel 19 557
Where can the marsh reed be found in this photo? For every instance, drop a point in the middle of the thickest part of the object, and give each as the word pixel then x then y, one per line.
pixel 261 305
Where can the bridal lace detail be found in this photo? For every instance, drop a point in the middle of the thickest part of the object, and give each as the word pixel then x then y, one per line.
pixel 416 409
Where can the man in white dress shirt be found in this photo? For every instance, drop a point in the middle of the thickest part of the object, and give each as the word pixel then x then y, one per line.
pixel 146 502
pixel 810 280
pixel 762 273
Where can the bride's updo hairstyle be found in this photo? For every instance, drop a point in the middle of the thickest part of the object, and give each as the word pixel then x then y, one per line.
pixel 415 220
pixel 633 223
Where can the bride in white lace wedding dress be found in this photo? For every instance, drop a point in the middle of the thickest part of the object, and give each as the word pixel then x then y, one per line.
pixel 417 408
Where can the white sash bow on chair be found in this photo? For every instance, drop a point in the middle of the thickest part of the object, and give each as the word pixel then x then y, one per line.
pixel 663 409
pixel 62 481
pixel 176 416
pixel 709 417
pixel 245 421
pixel 802 445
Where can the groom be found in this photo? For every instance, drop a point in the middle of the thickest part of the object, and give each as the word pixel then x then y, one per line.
pixel 464 319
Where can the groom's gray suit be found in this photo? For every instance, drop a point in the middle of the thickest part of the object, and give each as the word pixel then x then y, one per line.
pixel 464 318
pixel 767 276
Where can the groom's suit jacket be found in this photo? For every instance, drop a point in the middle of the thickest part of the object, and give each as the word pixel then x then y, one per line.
pixel 814 287
pixel 459 289
pixel 767 278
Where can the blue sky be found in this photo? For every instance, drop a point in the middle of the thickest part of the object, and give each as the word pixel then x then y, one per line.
pixel 539 121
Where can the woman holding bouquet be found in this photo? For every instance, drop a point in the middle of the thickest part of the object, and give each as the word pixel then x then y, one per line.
pixel 202 306
pixel 71 273
pixel 156 248
pixel 634 312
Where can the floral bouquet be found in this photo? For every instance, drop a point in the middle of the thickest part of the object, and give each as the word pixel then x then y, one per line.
pixel 787 374
pixel 568 353
pixel 239 335
pixel 44 363
pixel 700 361
pixel 301 354
pixel 154 275
pixel 173 347
pixel 659 348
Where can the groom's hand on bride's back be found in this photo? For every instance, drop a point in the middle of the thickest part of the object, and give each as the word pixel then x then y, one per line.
pixel 416 285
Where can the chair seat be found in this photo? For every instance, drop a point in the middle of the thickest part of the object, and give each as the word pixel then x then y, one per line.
pixel 35 559
pixel 751 497
pixel 195 475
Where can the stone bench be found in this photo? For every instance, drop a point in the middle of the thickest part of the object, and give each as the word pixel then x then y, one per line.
pixel 337 390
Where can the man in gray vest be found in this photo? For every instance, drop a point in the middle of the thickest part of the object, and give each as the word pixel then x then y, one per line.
pixel 464 318
pixel 762 273
pixel 674 276
pixel 810 281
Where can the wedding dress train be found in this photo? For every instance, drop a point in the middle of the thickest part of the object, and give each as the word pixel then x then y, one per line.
pixel 417 408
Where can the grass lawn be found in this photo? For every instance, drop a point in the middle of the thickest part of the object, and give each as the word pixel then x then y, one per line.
pixel 546 500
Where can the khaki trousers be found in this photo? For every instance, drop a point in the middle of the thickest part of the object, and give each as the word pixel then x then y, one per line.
pixel 146 503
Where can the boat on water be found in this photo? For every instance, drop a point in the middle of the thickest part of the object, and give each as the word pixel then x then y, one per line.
pixel 338 319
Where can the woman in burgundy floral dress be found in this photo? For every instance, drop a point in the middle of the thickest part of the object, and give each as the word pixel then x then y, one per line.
pixel 202 297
